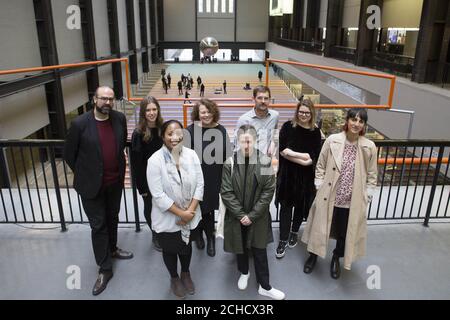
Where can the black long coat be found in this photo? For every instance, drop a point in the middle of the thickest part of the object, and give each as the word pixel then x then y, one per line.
pixel 218 144
pixel 295 183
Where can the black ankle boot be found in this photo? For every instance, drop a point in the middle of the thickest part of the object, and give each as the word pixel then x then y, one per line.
pixel 155 241
pixel 310 263
pixel 335 268
pixel 200 242
pixel 211 246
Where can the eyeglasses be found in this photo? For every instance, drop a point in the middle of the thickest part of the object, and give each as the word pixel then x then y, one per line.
pixel 105 99
pixel 304 113
pixel 262 98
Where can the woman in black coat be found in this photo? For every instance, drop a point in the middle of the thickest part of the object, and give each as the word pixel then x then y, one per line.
pixel 300 144
pixel 210 141
pixel 145 141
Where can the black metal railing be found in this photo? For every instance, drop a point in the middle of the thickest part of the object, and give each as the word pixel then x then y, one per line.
pixel 36 184
pixel 312 47
pixel 392 63
pixel 343 53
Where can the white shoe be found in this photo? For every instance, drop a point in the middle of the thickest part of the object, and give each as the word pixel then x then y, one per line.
pixel 243 281
pixel 272 293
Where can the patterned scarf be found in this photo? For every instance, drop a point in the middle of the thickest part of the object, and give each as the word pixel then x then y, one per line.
pixel 179 181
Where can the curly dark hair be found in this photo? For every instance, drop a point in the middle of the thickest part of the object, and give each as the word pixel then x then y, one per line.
pixel 210 105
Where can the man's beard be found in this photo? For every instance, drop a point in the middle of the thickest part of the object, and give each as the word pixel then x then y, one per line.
pixel 105 109
pixel 260 106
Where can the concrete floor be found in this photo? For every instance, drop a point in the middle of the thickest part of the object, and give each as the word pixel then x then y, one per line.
pixel 413 262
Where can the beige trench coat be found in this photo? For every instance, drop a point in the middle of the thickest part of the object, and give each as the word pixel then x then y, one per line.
pixel 317 230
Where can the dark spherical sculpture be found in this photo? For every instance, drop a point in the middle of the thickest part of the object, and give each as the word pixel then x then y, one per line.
pixel 209 46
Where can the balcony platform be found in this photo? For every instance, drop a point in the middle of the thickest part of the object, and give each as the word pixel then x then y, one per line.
pixel 413 261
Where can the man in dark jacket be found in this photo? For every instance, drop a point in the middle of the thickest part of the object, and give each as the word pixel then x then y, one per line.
pixel 169 80
pixel 94 150
pixel 202 90
pixel 248 185
pixel 180 88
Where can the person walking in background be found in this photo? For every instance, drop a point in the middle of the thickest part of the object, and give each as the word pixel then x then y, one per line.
pixel 346 178
pixel 186 96
pixel 180 88
pixel 202 90
pixel 300 142
pixel 224 84
pixel 145 141
pixel 199 81
pixel 260 74
pixel 169 80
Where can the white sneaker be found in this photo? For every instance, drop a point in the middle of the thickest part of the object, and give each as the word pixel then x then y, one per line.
pixel 272 293
pixel 243 281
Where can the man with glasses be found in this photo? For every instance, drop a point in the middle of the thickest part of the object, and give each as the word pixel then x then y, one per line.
pixel 264 120
pixel 94 150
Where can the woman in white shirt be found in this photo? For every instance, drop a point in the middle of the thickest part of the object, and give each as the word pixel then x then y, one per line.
pixel 175 180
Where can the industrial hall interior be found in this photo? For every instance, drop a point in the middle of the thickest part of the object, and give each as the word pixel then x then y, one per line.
pixel 224 150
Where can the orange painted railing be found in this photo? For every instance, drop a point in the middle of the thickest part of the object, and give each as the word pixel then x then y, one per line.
pixel 415 161
pixel 74 65
pixel 130 98
pixel 369 74
pixel 196 99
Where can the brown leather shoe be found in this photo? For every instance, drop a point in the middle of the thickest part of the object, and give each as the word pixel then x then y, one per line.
pixel 187 282
pixel 102 281
pixel 122 254
pixel 177 287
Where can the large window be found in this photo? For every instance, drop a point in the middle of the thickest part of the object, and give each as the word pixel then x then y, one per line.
pixel 178 54
pixel 221 55
pixel 400 41
pixel 215 7
pixel 255 55
pixel 280 7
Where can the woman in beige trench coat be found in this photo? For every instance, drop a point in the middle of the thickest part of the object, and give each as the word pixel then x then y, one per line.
pixel 346 177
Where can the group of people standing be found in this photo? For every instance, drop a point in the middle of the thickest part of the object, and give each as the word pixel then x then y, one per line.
pixel 187 83
pixel 184 174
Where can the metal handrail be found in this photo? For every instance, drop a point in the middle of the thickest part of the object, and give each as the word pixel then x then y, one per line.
pixel 74 65
pixel 363 73
pixel 401 168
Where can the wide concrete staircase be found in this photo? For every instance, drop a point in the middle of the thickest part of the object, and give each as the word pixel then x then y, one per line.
pixel 152 85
